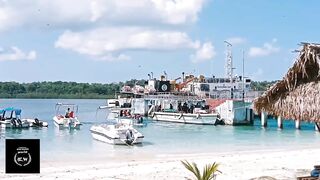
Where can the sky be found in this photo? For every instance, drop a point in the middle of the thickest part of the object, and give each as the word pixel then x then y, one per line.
pixel 104 41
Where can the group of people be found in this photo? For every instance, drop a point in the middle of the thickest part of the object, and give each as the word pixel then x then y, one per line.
pixel 69 114
pixel 183 107
pixel 125 113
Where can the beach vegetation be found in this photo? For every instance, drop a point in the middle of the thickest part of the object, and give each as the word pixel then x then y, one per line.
pixel 209 170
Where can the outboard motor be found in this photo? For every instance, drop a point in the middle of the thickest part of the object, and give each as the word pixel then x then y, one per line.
pixel 19 122
pixel 13 122
pixel 129 137
pixel 140 120
pixel 37 122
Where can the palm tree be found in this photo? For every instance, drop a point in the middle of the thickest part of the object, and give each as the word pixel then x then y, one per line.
pixel 208 171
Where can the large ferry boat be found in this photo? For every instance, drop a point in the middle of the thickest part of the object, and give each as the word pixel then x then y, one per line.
pixel 202 99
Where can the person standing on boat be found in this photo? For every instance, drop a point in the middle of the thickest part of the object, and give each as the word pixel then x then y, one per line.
pixel 185 107
pixel 67 113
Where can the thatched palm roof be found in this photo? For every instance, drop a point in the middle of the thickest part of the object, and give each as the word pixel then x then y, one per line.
pixel 297 95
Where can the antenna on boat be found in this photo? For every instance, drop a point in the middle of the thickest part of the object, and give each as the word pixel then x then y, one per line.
pixel 229 68
pixel 165 74
pixel 243 75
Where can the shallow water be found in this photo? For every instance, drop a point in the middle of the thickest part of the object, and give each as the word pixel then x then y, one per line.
pixel 160 138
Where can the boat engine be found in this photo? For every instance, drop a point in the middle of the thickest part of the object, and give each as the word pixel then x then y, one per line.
pixel 37 122
pixel 19 122
pixel 13 122
pixel 129 137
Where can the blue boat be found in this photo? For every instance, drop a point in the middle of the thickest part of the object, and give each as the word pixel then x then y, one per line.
pixel 11 118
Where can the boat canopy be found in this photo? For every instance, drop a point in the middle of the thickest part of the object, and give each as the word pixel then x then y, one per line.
pixel 73 107
pixel 16 110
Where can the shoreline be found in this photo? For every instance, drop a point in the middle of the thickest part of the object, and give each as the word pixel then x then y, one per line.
pixel 279 164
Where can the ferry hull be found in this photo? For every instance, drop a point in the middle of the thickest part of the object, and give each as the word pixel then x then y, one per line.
pixel 201 119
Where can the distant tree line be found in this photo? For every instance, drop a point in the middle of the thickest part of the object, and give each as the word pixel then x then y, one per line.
pixel 261 85
pixel 61 89
pixel 74 90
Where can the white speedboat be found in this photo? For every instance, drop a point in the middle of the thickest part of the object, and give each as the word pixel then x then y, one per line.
pixel 118 134
pixel 36 123
pixel 70 119
pixel 11 118
pixel 123 115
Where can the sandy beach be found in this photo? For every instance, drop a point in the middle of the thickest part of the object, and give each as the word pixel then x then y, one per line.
pixel 279 164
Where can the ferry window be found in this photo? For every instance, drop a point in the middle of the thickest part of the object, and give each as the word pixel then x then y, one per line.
pixel 227 80
pixel 247 86
pixel 248 80
pixel 221 80
pixel 204 87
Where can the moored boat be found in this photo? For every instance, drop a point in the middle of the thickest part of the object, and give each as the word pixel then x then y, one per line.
pixel 117 134
pixel 70 119
pixel 188 112
pixel 36 123
pixel 11 118
pixel 186 118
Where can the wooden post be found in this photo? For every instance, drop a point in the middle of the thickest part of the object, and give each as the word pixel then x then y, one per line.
pixel 280 124
pixel 297 122
pixel 264 119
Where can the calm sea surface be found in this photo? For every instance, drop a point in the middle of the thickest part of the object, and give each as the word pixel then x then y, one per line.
pixel 160 138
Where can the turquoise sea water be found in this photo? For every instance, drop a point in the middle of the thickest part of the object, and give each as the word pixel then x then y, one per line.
pixel 160 138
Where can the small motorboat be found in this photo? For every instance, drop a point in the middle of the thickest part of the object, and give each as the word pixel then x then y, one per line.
pixel 36 123
pixel 11 118
pixel 124 116
pixel 70 119
pixel 118 134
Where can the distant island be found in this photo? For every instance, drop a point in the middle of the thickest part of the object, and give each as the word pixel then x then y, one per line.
pixel 74 90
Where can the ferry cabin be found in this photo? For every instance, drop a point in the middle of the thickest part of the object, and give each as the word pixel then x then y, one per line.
pixel 220 87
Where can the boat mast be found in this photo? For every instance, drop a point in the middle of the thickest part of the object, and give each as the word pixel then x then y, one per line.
pixel 243 75
pixel 229 68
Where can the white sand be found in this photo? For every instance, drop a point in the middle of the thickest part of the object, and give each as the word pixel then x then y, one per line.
pixel 280 164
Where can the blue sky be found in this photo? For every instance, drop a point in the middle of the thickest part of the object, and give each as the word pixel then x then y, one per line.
pixel 116 40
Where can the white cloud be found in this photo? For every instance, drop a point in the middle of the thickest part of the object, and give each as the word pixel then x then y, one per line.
pixel 257 75
pixel 132 25
pixel 267 49
pixel 15 54
pixel 61 13
pixel 104 43
pixel 204 53
pixel 236 40
pixel 110 58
